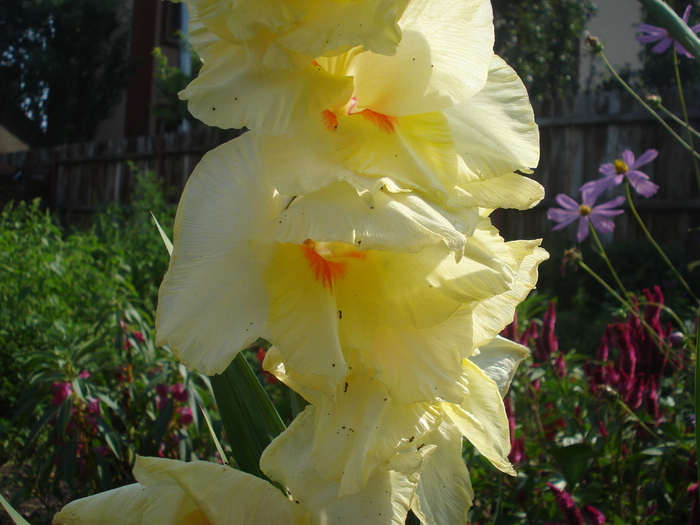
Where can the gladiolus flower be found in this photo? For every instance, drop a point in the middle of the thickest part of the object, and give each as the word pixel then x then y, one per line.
pixel 363 426
pixel 262 86
pixel 461 156
pixel 373 281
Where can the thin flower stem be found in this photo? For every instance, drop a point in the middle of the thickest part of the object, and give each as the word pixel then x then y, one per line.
pixel 607 261
pixel 685 114
pixel 603 283
pixel 639 421
pixel 655 244
pixel 647 107
pixel 677 120
pixel 633 309
pixel 670 312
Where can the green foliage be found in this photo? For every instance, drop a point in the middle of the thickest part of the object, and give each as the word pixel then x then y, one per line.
pixel 170 80
pixel 539 39
pixel 63 67
pixel 84 388
pixel 586 439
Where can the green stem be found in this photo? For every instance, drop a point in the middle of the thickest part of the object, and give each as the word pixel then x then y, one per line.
pixel 647 107
pixel 677 120
pixel 685 114
pixel 631 307
pixel 639 421
pixel 603 283
pixel 670 312
pixel 604 255
pixel 655 244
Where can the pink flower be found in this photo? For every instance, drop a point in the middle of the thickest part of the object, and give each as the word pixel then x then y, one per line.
pixel 184 416
pixel 547 343
pixel 593 515
pixel 616 172
pixel 61 391
pixel 179 393
pixel 586 213
pixel 659 34
pixel 567 506
pixel 84 374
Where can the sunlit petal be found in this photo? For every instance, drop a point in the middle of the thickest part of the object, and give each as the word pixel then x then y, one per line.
pixel 201 315
pixel 481 418
pixel 443 59
pixel 444 492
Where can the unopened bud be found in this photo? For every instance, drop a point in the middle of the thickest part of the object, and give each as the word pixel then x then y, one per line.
pixel 653 100
pixel 676 339
pixel 594 44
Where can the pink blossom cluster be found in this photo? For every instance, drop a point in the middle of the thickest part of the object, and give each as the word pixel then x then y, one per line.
pixel 637 369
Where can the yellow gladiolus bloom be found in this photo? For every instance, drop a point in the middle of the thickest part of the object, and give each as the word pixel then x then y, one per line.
pixel 443 59
pixel 311 27
pixel 323 275
pixel 464 155
pixel 364 428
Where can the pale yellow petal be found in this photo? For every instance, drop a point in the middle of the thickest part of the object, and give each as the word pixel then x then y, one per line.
pixel 385 498
pixel 310 387
pixel 303 320
pixel 444 492
pixel 492 315
pixel 212 301
pixel 495 131
pixel 364 428
pixel 237 21
pixel 507 191
pixel 420 365
pixel 417 151
pixel 398 222
pixel 136 504
pixel 233 91
pixel 226 495
pixel 330 26
pixel 443 59
pixel 499 359
pixel 481 418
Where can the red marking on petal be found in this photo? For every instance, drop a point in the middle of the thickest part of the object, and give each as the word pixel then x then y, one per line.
pixel 324 271
pixel 330 120
pixel 383 122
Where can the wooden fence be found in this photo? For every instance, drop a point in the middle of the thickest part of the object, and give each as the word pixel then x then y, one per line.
pixel 577 135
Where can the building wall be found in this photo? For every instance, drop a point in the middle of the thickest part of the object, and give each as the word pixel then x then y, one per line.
pixel 615 24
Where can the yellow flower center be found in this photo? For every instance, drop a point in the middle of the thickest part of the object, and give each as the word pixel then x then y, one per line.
pixel 584 210
pixel 621 166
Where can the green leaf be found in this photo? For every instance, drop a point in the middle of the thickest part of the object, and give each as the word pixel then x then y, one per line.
pixel 574 461
pixel 219 449
pixel 166 241
pixel 16 517
pixel 249 417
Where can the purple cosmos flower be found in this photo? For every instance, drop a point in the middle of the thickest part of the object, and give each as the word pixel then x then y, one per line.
pixel 654 33
pixel 616 172
pixel 571 210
